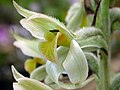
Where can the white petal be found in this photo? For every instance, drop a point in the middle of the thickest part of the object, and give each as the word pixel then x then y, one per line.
pixel 76 64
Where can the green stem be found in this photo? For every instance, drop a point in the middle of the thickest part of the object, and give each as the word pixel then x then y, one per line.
pixel 104 25
pixel 104 73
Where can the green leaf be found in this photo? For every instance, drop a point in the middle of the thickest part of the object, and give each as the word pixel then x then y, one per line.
pixel 93 43
pixel 115 26
pixel 30 84
pixel 76 64
pixel 93 62
pixel 16 74
pixel 30 65
pixel 39 73
pixel 87 32
pixel 114 19
pixel 48 49
pixel 112 2
pixel 115 83
pixel 28 47
pixel 114 14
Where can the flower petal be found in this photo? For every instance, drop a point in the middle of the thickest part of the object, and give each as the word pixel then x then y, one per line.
pixel 16 74
pixel 75 16
pixel 39 73
pixel 28 47
pixel 30 65
pixel 40 24
pixel 55 71
pixel 76 64
pixel 49 49
pixel 24 12
pixel 30 84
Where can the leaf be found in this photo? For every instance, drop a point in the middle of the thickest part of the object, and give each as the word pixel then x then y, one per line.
pixel 30 84
pixel 114 14
pixel 16 74
pixel 92 62
pixel 39 73
pixel 48 49
pixel 30 65
pixel 115 26
pixel 115 83
pixel 93 43
pixel 76 64
pixel 87 32
pixel 28 47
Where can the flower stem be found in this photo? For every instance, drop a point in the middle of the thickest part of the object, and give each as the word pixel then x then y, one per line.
pixel 104 25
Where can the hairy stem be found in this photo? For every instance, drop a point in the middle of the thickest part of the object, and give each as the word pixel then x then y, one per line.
pixel 104 25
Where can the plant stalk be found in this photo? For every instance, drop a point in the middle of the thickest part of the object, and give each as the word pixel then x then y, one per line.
pixel 104 25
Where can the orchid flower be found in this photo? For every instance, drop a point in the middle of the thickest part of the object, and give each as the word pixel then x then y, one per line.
pixel 66 51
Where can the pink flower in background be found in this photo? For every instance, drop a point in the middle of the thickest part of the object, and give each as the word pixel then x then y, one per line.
pixel 72 1
pixel 5 37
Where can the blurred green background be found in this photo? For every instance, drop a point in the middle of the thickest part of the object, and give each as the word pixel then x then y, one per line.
pixel 9 20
